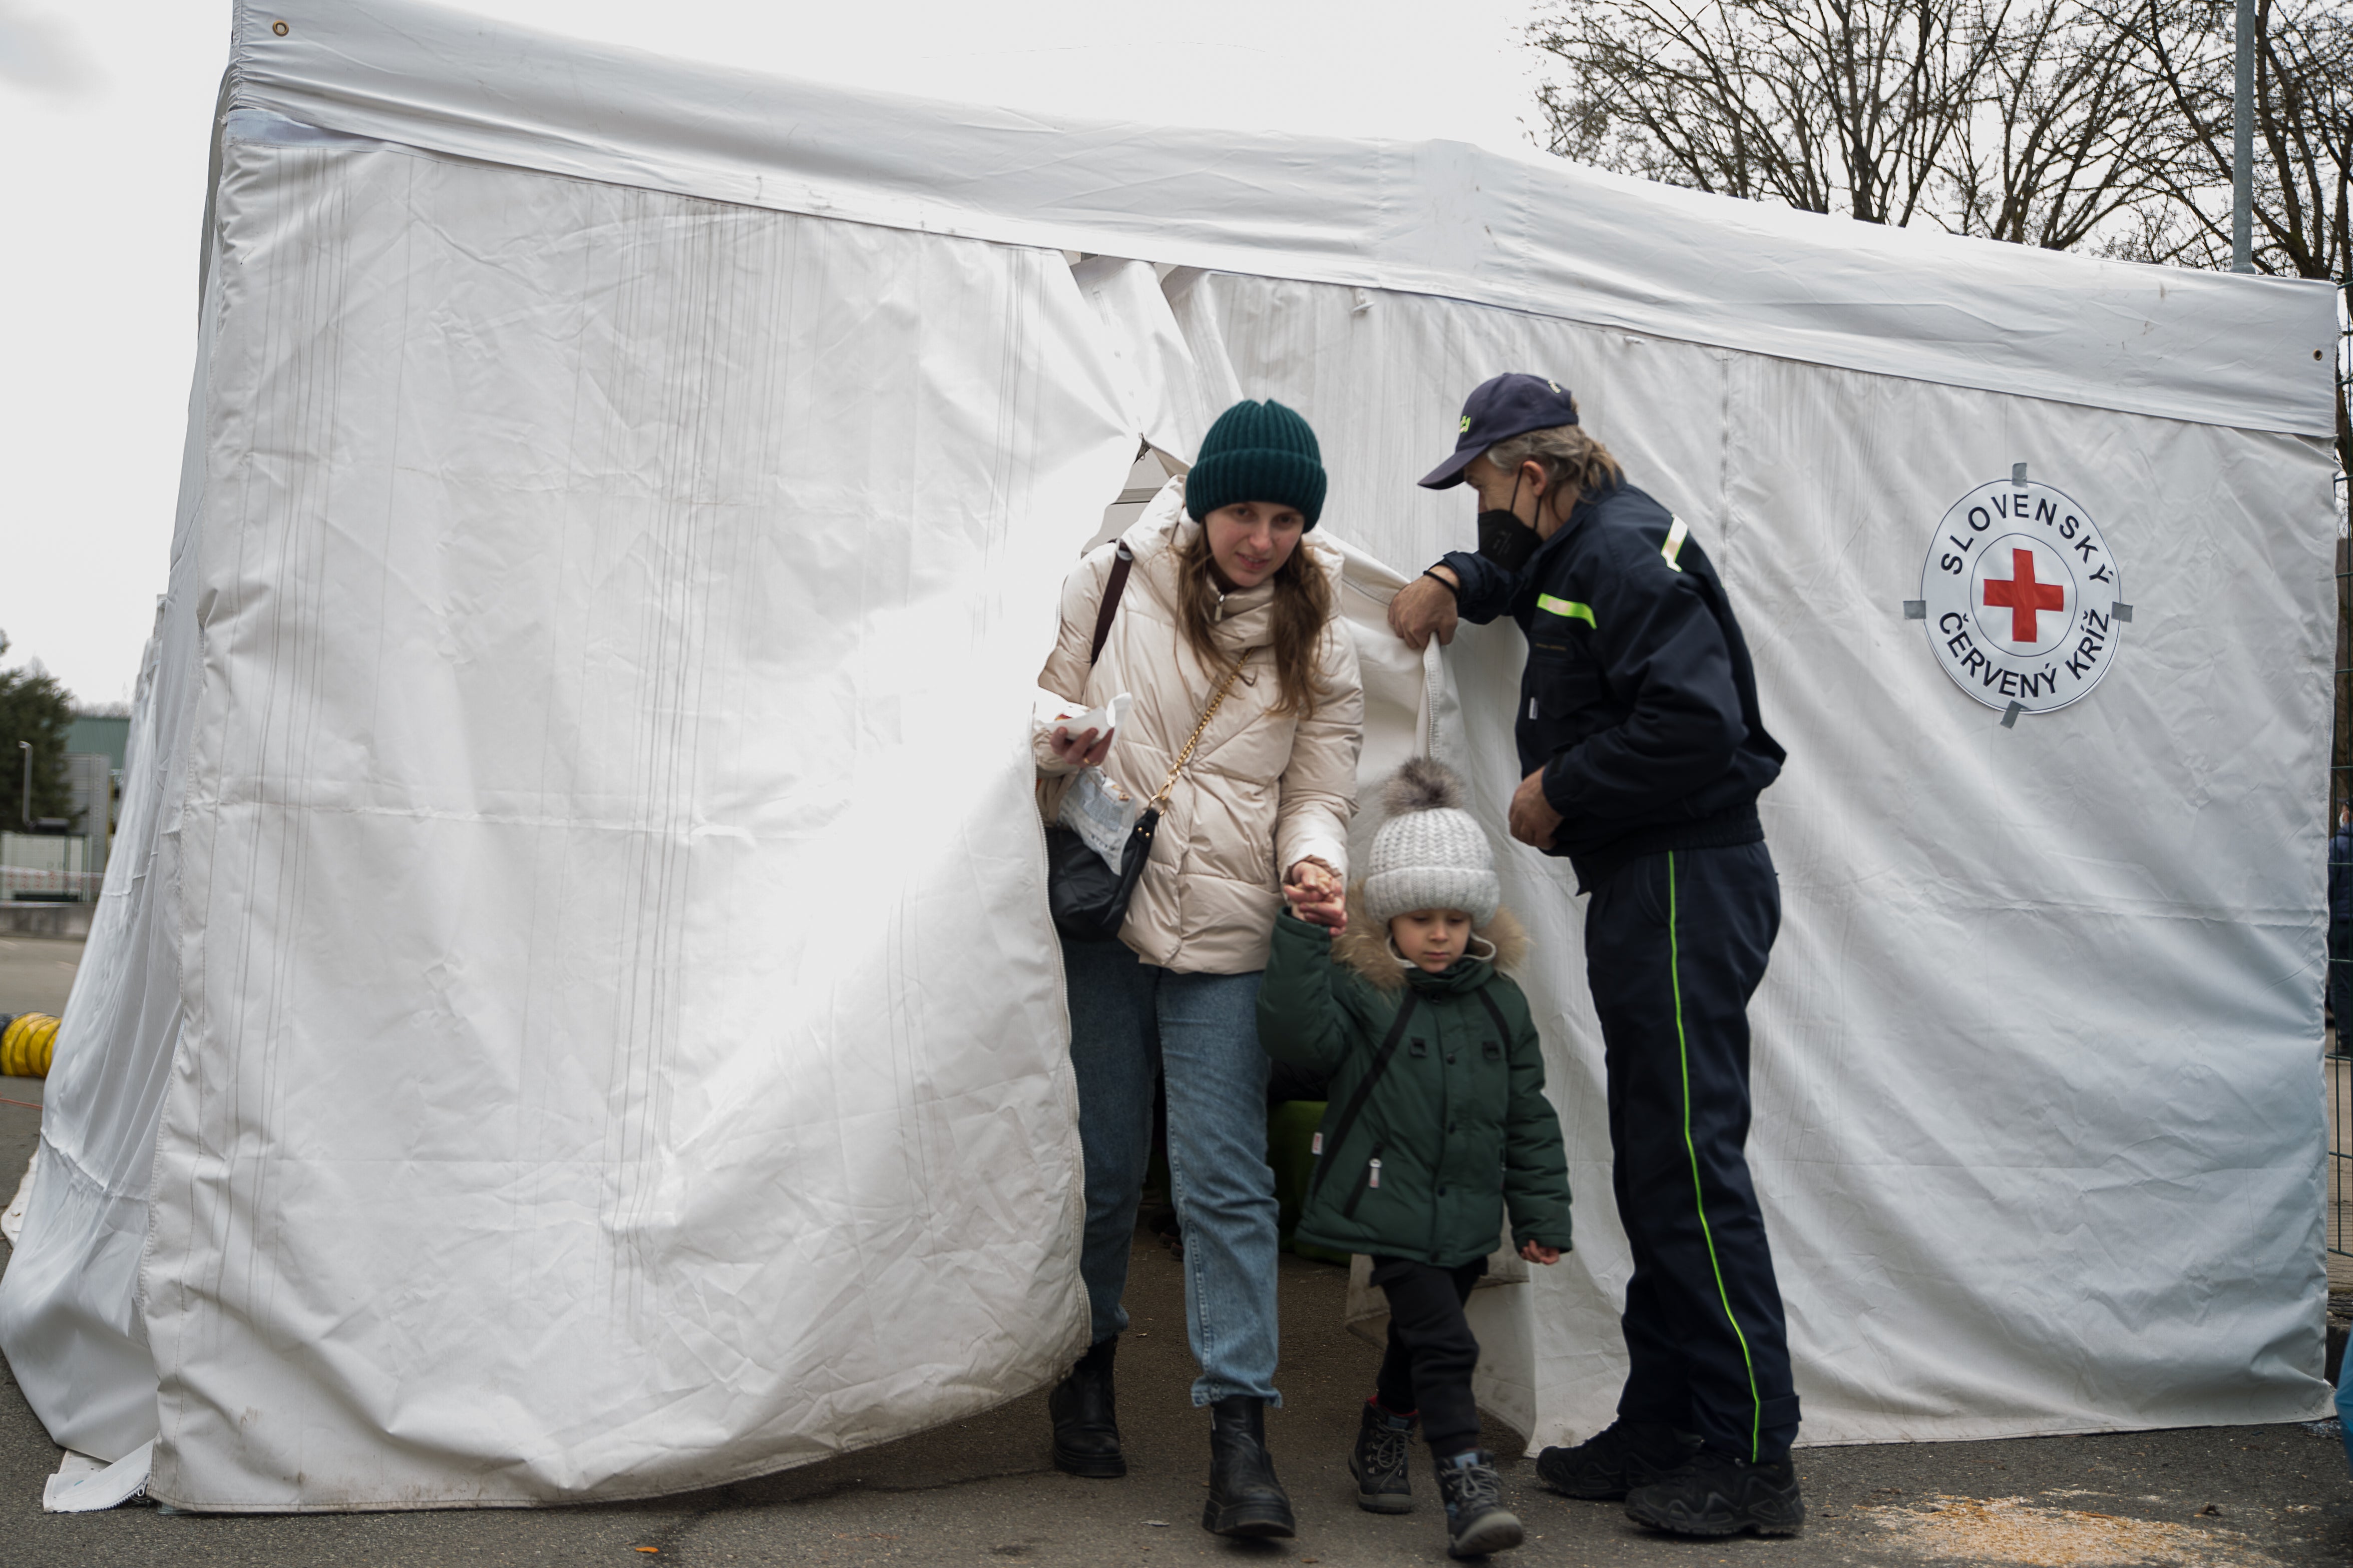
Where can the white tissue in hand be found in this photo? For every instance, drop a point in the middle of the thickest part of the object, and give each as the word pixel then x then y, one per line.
pixel 1061 714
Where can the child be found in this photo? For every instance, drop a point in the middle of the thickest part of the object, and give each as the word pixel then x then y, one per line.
pixel 1437 1121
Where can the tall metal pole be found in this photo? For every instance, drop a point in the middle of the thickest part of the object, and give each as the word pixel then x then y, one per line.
pixel 27 747
pixel 2243 147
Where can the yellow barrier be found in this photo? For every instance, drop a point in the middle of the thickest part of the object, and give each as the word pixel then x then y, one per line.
pixel 26 1046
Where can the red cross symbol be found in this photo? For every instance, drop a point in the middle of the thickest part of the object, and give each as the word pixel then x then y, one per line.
pixel 2023 595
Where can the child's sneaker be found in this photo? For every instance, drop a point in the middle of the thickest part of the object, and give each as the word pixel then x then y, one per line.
pixel 1382 1463
pixel 1477 1522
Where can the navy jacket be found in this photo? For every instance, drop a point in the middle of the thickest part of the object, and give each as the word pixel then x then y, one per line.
pixel 1638 701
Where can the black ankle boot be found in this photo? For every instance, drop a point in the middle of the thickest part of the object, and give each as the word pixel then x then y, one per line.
pixel 1086 1427
pixel 1622 1455
pixel 1477 1522
pixel 1716 1493
pixel 1245 1499
pixel 1382 1463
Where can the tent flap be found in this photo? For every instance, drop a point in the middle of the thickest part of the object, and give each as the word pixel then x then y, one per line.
pixel 579 812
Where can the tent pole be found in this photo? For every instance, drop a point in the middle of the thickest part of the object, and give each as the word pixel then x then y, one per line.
pixel 2243 146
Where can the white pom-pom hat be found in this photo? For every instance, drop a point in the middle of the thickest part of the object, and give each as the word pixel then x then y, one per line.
pixel 1430 854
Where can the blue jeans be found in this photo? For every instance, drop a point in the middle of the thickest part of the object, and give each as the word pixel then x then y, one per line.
pixel 1130 1021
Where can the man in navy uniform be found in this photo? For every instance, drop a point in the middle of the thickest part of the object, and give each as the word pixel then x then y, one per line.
pixel 1643 754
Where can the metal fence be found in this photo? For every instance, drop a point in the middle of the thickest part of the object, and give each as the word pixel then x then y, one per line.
pixel 33 882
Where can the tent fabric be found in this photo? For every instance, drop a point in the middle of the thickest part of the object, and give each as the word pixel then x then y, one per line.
pixel 573 1014
pixel 577 810
pixel 2036 1059
pixel 1444 218
pixel 69 1311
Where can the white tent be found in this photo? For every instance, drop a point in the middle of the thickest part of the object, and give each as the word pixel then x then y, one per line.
pixel 572 1013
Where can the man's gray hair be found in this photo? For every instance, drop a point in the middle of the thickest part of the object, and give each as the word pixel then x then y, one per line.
pixel 1565 451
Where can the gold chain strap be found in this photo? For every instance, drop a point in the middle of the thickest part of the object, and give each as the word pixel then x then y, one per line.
pixel 1159 802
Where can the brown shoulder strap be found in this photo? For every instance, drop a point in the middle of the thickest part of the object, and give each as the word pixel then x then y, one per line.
pixel 1111 591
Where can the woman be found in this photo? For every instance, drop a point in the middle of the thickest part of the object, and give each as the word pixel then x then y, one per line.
pixel 1228 588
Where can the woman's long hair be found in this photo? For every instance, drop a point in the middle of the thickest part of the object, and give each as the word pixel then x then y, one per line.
pixel 1303 607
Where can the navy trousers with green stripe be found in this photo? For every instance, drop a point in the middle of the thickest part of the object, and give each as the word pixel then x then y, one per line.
pixel 1674 946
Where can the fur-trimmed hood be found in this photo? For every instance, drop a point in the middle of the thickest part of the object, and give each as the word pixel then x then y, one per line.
pixel 1364 947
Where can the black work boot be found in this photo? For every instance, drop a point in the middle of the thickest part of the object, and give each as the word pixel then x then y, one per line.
pixel 1382 1462
pixel 1716 1493
pixel 1477 1522
pixel 1245 1499
pixel 1622 1455
pixel 1086 1427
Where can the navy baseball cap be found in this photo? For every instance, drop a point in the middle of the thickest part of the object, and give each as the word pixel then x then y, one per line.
pixel 1498 409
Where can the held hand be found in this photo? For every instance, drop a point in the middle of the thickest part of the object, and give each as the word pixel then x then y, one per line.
pixel 1317 894
pixel 1533 821
pixel 1317 906
pixel 1423 609
pixel 1082 750
pixel 1314 873
pixel 1537 1252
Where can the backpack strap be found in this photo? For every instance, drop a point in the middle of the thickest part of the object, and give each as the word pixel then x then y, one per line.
pixel 1364 1091
pixel 1502 1028
pixel 1111 591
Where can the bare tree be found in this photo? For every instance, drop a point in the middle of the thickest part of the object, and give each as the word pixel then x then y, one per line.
pixel 2304 138
pixel 2303 125
pixel 2010 118
pixel 2066 141
pixel 1828 105
pixel 2070 124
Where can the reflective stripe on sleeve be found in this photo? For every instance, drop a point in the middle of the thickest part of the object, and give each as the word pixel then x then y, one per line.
pixel 1673 547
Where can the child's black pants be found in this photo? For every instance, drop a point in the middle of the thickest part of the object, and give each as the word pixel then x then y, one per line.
pixel 1432 1352
pixel 1674 945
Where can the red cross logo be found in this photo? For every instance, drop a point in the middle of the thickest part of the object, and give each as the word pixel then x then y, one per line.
pixel 2022 596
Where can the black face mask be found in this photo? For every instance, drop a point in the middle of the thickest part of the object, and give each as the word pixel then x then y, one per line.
pixel 1504 538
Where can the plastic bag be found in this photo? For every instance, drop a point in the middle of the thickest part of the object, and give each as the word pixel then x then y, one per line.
pixel 1094 808
pixel 1101 813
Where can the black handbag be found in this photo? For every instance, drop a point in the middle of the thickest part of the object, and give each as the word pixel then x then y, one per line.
pixel 1088 899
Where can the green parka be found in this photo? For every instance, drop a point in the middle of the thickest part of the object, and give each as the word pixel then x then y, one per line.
pixel 1455 1127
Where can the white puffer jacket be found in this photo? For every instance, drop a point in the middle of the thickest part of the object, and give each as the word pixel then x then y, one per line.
pixel 1261 792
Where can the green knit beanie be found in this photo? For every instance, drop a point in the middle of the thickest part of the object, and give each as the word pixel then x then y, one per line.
pixel 1257 452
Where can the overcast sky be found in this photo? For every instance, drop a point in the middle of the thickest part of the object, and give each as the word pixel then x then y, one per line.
pixel 107 112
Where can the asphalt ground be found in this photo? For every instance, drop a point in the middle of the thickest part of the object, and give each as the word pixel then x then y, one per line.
pixel 983 1491
pixel 36 973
